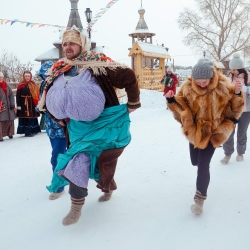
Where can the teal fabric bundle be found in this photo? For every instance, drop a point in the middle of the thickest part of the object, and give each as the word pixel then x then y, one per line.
pixel 110 130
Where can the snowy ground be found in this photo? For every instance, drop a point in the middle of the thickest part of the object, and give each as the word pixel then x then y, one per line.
pixel 150 209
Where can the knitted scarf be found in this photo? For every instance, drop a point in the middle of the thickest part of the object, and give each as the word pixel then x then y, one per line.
pixel 64 64
pixel 92 60
pixel 3 85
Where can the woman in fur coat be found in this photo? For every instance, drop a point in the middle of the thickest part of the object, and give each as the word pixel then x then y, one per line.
pixel 7 105
pixel 208 106
pixel 240 75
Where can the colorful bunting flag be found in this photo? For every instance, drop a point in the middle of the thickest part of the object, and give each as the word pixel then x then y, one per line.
pixel 93 21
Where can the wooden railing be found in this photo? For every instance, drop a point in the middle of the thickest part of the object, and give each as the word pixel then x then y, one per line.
pixel 151 79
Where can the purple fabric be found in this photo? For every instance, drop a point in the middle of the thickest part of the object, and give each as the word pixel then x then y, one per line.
pixel 79 98
pixel 77 170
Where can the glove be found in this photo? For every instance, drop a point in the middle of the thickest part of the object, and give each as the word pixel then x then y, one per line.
pixel 18 108
pixel 171 99
pixel 234 120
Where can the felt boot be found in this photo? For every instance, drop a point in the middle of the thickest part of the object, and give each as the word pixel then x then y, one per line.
pixel 239 157
pixel 106 196
pixel 75 212
pixel 54 196
pixel 226 159
pixel 197 208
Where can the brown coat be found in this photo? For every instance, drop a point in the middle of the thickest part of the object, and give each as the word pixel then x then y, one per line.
pixel 119 78
pixel 205 113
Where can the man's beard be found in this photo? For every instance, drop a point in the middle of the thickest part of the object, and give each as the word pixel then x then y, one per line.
pixel 71 55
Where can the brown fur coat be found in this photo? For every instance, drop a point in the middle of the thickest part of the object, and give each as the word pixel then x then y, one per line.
pixel 204 113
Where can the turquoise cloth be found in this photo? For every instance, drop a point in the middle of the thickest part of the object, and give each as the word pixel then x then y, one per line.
pixel 110 130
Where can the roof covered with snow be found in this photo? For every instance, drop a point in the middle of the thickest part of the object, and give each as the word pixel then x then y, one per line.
pixel 150 50
pixel 52 54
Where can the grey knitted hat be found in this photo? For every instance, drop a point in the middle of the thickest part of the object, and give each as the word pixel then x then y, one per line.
pixel 236 62
pixel 203 69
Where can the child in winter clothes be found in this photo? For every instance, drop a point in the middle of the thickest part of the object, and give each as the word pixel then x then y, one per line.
pixel 207 106
pixel 55 133
pixel 239 75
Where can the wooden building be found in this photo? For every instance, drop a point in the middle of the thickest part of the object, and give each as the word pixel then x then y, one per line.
pixel 143 55
pixel 149 77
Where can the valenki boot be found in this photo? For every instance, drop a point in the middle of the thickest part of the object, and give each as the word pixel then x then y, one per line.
pixel 54 196
pixel 106 196
pixel 239 157
pixel 197 208
pixel 75 212
pixel 226 159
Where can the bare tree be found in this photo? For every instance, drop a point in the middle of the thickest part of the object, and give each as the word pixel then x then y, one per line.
pixel 12 67
pixel 219 27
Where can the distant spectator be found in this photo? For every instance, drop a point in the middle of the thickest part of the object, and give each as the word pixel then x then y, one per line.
pixel 238 74
pixel 7 105
pixel 27 98
pixel 170 81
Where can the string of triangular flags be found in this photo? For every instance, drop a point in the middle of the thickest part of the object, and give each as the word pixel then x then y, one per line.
pixel 101 12
pixel 40 25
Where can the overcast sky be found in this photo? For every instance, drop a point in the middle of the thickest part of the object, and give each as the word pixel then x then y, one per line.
pixel 111 30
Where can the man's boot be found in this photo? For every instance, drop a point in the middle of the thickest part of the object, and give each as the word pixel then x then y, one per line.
pixel 75 211
pixel 106 196
pixel 197 208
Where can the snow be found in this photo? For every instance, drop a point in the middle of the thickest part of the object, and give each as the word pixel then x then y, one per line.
pixel 149 210
pixel 147 47
pixel 51 54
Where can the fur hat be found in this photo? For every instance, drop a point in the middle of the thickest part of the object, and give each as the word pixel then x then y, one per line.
pixel 203 69
pixel 75 36
pixel 236 62
pixel 1 74
pixel 169 69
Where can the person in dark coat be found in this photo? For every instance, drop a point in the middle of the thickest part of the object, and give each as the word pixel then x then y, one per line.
pixel 7 105
pixel 27 98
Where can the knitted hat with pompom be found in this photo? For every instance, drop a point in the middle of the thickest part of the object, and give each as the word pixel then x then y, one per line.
pixel 236 62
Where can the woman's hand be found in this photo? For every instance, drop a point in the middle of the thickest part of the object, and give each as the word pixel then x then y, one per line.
pixel 237 87
pixel 169 94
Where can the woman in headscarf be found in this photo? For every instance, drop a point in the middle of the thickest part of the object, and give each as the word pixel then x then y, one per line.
pixel 7 105
pixel 27 98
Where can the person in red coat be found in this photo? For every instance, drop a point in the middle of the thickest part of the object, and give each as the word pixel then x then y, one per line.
pixel 172 84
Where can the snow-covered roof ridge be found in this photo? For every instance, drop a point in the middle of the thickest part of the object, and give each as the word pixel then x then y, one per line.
pixel 52 54
pixel 151 48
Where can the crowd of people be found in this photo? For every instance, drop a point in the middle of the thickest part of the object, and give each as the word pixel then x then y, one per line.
pixel 88 128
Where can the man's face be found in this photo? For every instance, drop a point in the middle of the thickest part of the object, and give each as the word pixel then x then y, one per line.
pixel 1 79
pixel 71 50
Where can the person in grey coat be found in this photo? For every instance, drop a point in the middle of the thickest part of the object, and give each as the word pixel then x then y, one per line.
pixel 7 105
pixel 239 74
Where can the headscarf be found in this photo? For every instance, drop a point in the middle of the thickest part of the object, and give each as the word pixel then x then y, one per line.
pixel 3 84
pixel 33 87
